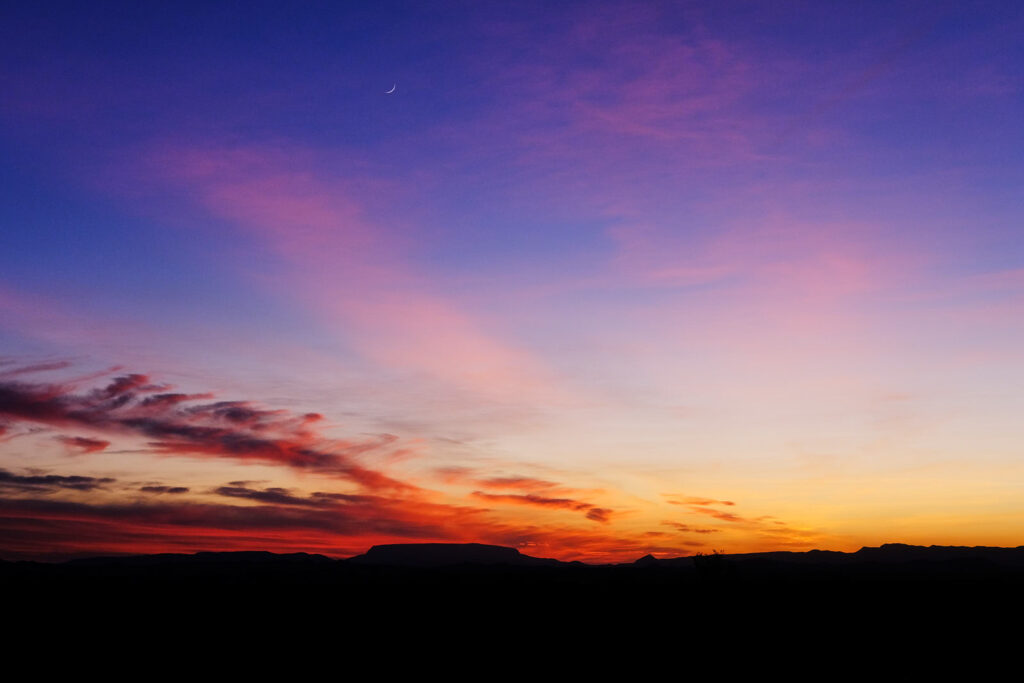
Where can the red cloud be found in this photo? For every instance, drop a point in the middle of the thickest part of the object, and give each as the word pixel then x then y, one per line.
pixel 230 429
pixel 65 521
pixel 279 520
pixel 83 444
pixel 520 483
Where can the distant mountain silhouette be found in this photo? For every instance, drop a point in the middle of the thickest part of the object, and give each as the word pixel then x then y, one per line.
pixel 901 552
pixel 892 560
pixel 200 558
pixel 432 588
pixel 448 554
pixel 646 561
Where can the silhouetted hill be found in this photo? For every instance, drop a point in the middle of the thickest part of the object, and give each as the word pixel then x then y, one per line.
pixel 200 558
pixel 448 554
pixel 434 589
pixel 900 552
pixel 891 561
pixel 465 563
pixel 646 561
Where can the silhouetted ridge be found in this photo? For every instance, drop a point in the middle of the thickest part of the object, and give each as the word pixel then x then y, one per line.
pixel 447 554
pixel 243 557
pixel 888 560
pixel 900 552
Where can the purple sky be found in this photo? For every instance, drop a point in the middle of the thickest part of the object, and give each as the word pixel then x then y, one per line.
pixel 616 258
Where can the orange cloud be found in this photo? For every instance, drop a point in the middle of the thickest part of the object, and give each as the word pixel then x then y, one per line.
pixel 76 514
pixel 592 511
pixel 687 529
pixel 691 500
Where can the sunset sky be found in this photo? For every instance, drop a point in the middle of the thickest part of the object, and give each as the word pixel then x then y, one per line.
pixel 596 280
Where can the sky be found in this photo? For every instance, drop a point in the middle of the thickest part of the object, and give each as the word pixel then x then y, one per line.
pixel 596 280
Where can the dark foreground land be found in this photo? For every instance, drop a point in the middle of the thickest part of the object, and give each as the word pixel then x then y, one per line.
pixel 492 595
pixel 476 573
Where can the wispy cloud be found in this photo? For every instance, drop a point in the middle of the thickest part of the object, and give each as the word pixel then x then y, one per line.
pixel 83 444
pixel 346 268
pixel 381 508
pixel 47 483
pixel 34 368
pixel 592 511
pixel 674 499
pixel 225 429
pixel 689 529
pixel 160 489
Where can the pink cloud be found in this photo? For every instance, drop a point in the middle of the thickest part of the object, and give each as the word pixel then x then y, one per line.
pixel 83 444
pixel 348 269
pixel 637 85
pixel 237 430
pixel 767 289
pixel 54 321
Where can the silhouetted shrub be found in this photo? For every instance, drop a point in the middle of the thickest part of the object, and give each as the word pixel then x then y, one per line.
pixel 712 566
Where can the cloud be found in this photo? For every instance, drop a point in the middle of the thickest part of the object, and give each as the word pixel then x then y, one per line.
pixel 295 206
pixel 47 483
pixel 453 474
pixel 172 399
pixel 228 429
pixel 278 520
pixel 83 444
pixel 122 385
pixel 248 514
pixel 765 526
pixel 687 529
pixel 471 477
pixel 275 495
pixel 604 88
pixel 341 497
pixel 381 516
pixel 164 489
pixel 36 367
pixel 592 511
pixel 516 482
pixel 718 514
pixel 692 500
pixel 702 506
pixel 284 520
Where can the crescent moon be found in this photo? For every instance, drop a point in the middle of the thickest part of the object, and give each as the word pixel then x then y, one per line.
pixel 388 92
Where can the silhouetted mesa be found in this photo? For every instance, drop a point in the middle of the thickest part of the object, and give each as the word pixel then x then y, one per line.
pixel 448 554
pixel 438 588
pixel 460 560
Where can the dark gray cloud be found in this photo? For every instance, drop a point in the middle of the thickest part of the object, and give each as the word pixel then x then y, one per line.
pixel 164 489
pixel 48 483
